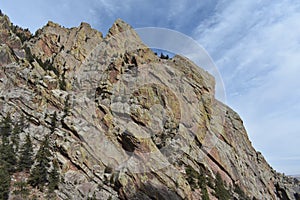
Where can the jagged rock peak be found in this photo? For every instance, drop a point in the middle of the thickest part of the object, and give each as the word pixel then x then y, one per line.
pixel 53 24
pixel 4 22
pixel 119 26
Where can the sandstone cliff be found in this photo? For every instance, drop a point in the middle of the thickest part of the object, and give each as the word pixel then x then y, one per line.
pixel 129 125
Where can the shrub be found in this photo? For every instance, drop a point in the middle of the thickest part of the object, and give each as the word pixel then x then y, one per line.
pixel 240 192
pixel 26 155
pixel 4 183
pixel 191 177
pixel 220 190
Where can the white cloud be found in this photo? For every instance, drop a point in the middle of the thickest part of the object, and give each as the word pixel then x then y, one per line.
pixel 256 45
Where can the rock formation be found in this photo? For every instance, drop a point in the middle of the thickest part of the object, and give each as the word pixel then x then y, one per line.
pixel 129 125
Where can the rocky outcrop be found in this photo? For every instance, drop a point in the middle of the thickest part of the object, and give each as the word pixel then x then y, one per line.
pixel 130 125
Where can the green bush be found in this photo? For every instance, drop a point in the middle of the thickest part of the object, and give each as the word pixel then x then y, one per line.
pixel 39 174
pixel 47 65
pixel 4 183
pixel 191 177
pixel 29 55
pixel 197 180
pixel 26 155
pixel 21 189
pixel 220 190
pixel 240 192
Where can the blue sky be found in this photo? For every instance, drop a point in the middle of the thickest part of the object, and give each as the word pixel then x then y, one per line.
pixel 254 44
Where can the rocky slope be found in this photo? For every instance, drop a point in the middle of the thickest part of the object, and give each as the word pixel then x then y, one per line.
pixel 129 124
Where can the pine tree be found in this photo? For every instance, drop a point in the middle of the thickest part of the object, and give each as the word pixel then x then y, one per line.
pixel 220 191
pixel 6 127
pixel 53 122
pixel 15 137
pixel 26 155
pixel 21 189
pixel 54 177
pixel 39 174
pixel 241 193
pixel 204 195
pixel 67 107
pixel 7 154
pixel 202 182
pixel 16 131
pixel 191 175
pixel 4 182
pixel 162 56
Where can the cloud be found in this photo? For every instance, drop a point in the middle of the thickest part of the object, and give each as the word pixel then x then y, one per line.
pixel 256 45
pixel 176 14
pixel 35 14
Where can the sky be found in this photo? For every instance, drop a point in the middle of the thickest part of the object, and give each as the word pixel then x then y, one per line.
pixel 255 45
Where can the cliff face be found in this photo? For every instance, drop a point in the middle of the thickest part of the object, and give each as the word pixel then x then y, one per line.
pixel 129 125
